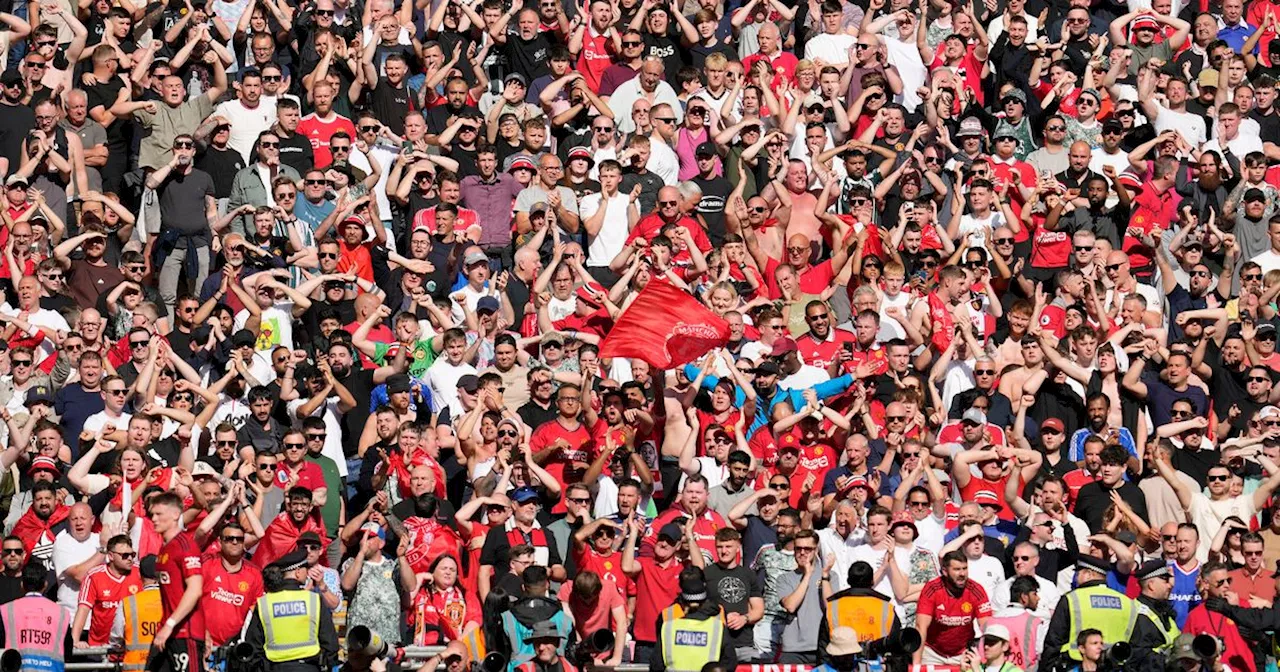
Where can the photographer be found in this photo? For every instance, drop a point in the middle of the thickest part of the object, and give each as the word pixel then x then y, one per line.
pixel 1236 652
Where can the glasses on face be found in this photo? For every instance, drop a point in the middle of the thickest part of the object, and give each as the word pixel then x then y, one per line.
pixel 1084 248
pixel 668 204
pixel 919 505
pixel 285 196
pixel 183 144
pixel 309 546
pixel 632 43
pixel 1252 553
pixel 984 372
pixel 1114 267
pixel 13 551
pixel 266 144
pixel 46 43
pixel 139 344
pixel 930 263
pixel 183 396
pixel 267 466
pixel 39 65
pixel 665 120
pixel 806 549
pixel 1179 414
pixel 294 446
pixel 369 129
pixel 1199 274
pixel 317 437
pixel 22 362
pixel 340 148
pixel 1251 277
pixel 779 486
pixel 1214 478
pixel 117 393
pixel 271 78
pixel 819 316
pixel 508 433
pixel 1252 379
pixel 127 555
pixel 580 500
pixel 232 540
pixel 896 418
pixel 318 183
pixel 324 12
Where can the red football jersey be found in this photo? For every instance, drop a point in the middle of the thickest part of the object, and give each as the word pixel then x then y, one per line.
pixel 228 598
pixel 180 560
pixel 101 591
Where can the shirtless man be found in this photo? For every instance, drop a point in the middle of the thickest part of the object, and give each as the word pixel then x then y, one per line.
pixel 1027 378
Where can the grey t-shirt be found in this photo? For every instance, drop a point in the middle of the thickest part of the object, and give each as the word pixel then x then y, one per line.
pixel 533 194
pixel 799 631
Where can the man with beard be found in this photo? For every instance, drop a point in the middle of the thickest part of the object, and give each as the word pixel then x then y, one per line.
pixel 618 460
pixel 1209 513
pixel 455 105
pixel 38 527
pixel 360 383
pixel 963 602
pixel 300 516
pixel 735 487
pixel 692 504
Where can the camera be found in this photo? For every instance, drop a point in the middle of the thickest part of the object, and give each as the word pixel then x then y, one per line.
pixel 10 661
pixel 902 644
pixel 585 651
pixel 367 642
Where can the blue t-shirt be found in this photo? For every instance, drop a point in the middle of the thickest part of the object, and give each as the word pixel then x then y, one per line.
pixel 311 213
pixel 1185 595
pixel 73 405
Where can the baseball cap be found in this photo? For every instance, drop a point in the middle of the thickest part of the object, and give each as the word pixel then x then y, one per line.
pixel 524 494
pixel 522 162
pixel 475 257
pixel 1148 22
pixel 487 304
pixel 974 415
pixel 1254 195
pixel 996 630
pixel 784 345
pixel 516 77
pixel 1207 78
pixel 988 498
pixel 1052 423
pixel 705 149
pixel 39 394
pixel 469 383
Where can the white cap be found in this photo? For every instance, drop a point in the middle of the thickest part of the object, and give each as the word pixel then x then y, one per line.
pixel 996 630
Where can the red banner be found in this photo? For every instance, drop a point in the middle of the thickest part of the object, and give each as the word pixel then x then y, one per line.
pixel 665 327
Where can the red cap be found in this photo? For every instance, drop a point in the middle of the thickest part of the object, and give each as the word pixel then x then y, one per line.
pixel 1144 21
pixel 987 498
pixel 782 346
pixel 1052 423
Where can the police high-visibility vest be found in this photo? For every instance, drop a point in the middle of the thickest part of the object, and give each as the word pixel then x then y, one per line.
pixel 1099 607
pixel 1023 629
pixel 291 623
pixel 142 615
pixel 37 627
pixel 871 617
pixel 1170 629
pixel 688 644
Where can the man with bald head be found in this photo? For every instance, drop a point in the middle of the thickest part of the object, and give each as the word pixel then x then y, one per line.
pixel 1079 154
pixel 75 552
pixel 781 63
pixel 1120 273
pixel 799 252
pixel 668 212
pixel 649 85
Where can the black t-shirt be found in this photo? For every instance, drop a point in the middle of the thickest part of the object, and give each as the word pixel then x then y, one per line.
pixel 165 452
pixel 715 191
pixel 391 104
pixel 649 183
pixel 57 303
pixel 359 382
pixel 16 121
pixel 222 165
pixel 664 48
pixel 296 152
pixel 733 589
pixel 440 281
pixel 182 202
pixel 535 415
pixel 528 57
pixel 438 117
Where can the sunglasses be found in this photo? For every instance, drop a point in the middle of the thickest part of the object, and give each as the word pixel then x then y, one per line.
pixel 508 433
pixel 13 551
pixel 266 466
pixel 1214 479
pixel 324 12
pixel 324 183
pixel 328 255
pixel 272 78
pixel 232 540
pixel 263 144
pixel 1251 276
pixel 919 505
pixel 117 393
pixel 1115 267
pixel 294 446
pixel 22 362
pixel 184 144
pixel 317 437
pixel 779 486
pixel 984 372
pixel 369 129
pixel 128 555
pixel 1003 241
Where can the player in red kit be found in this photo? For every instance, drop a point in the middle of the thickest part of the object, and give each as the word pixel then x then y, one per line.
pixel 181 636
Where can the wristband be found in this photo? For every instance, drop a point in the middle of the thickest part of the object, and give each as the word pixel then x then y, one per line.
pixel 171 624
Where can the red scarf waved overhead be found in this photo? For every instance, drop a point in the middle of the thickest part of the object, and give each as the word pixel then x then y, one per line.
pixel 428 540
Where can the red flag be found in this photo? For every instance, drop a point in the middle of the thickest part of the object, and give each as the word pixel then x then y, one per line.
pixel 665 327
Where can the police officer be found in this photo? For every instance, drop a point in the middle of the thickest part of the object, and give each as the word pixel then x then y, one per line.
pixel 1093 603
pixel 289 625
pixel 861 607
pixel 1157 628
pixel 36 626
pixel 691 632
pixel 138 619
